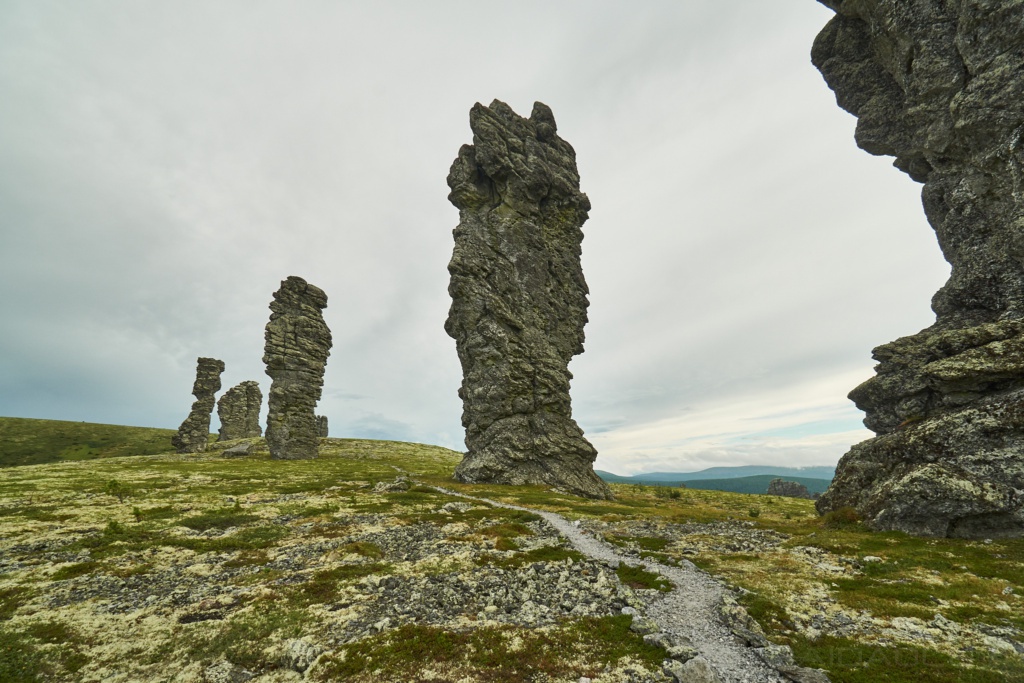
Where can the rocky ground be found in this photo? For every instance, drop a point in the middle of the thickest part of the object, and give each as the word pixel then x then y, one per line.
pixel 201 568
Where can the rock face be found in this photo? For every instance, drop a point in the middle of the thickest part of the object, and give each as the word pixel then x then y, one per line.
pixel 297 346
pixel 940 86
pixel 519 301
pixel 321 426
pixel 789 489
pixel 239 412
pixel 194 432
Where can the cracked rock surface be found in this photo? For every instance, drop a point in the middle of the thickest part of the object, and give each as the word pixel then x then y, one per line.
pixel 519 301
pixel 940 86
pixel 194 432
pixel 297 346
pixel 239 412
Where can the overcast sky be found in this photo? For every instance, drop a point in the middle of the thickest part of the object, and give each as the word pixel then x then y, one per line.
pixel 164 165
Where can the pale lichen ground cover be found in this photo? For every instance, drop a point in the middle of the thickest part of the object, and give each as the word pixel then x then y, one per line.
pixel 198 568
pixel 194 568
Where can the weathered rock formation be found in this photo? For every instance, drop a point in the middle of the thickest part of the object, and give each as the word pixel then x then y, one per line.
pixel 939 84
pixel 321 426
pixel 789 489
pixel 519 301
pixel 194 432
pixel 297 346
pixel 239 412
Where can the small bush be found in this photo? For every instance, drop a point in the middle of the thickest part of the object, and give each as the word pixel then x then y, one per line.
pixel 117 490
pixel 637 577
pixel 843 518
pixel 75 570
pixel 754 512
pixel 364 548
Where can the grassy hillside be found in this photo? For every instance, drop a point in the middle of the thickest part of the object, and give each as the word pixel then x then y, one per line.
pixel 665 478
pixel 133 568
pixel 25 441
pixel 753 484
pixel 757 484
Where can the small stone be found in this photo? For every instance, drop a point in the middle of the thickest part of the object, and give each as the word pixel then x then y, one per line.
pixel 800 674
pixel 300 654
pixel 239 450
pixel 697 670
pixel 643 626
pixel 872 558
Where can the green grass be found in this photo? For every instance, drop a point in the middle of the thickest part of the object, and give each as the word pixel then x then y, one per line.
pixel 583 647
pixel 25 441
pixel 848 661
pixel 638 577
pixel 73 506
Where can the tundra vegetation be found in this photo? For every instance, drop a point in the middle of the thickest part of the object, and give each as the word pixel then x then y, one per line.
pixel 165 567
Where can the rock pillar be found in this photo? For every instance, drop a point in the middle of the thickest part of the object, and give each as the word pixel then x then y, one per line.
pixel 519 301
pixel 939 85
pixel 194 432
pixel 239 412
pixel 297 346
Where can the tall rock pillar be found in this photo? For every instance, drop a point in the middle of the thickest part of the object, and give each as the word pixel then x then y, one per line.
pixel 194 432
pixel 519 301
pixel 939 85
pixel 297 346
pixel 239 411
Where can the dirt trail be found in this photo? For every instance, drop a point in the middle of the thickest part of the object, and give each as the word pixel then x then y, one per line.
pixel 690 610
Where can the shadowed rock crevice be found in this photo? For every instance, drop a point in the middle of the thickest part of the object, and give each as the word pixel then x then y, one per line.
pixel 238 410
pixel 940 86
pixel 519 301
pixel 297 346
pixel 194 433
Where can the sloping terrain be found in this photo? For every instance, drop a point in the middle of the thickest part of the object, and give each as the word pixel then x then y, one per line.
pixel 25 441
pixel 203 568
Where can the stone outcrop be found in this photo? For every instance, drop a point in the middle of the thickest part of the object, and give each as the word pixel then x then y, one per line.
pixel 939 85
pixel 194 433
pixel 789 489
pixel 519 301
pixel 239 412
pixel 297 346
pixel 321 426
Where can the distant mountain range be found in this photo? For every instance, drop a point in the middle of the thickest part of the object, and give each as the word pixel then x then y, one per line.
pixel 743 479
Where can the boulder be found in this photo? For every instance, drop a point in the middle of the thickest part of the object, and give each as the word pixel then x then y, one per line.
pixel 789 489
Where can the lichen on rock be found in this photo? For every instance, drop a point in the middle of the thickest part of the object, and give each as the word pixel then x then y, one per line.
pixel 194 433
pixel 238 410
pixel 298 343
pixel 940 86
pixel 519 301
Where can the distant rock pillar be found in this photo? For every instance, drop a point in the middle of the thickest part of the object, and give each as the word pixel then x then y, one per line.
pixel 940 86
pixel 194 432
pixel 321 426
pixel 239 411
pixel 296 350
pixel 519 301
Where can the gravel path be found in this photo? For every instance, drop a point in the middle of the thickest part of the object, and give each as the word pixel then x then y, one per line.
pixel 689 610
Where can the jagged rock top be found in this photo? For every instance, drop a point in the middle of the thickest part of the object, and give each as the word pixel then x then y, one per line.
pixel 519 301
pixel 940 85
